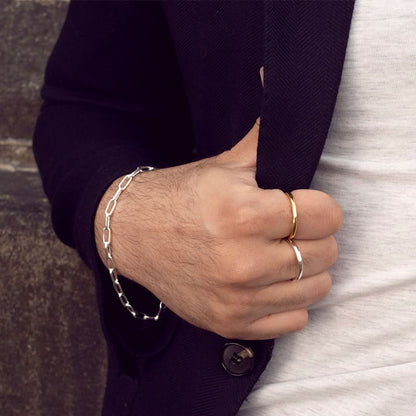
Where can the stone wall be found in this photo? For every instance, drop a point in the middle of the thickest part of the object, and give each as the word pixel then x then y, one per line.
pixel 52 354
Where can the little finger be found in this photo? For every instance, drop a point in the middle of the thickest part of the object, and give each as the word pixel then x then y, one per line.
pixel 289 295
pixel 275 325
pixel 277 261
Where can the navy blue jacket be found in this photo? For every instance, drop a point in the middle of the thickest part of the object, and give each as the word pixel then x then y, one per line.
pixel 133 83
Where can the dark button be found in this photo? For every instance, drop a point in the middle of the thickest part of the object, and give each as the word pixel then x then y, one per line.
pixel 237 360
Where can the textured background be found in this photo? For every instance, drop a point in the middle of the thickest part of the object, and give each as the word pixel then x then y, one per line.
pixel 52 353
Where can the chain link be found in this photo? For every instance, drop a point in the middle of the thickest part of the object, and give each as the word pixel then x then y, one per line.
pixel 109 210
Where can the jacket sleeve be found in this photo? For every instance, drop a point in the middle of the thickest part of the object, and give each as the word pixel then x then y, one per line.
pixel 113 100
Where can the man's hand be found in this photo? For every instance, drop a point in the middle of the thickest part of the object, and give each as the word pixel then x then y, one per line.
pixel 210 244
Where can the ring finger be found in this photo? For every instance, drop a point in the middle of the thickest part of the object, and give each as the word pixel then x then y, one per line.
pixel 277 261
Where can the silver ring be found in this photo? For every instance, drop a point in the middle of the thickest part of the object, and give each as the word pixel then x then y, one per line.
pixel 298 258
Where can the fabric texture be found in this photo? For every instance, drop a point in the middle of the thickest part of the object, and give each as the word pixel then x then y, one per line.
pixel 149 83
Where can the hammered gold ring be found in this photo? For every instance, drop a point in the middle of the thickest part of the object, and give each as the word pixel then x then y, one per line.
pixel 291 236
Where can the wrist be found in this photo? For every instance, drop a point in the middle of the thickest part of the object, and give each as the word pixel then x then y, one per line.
pixel 107 240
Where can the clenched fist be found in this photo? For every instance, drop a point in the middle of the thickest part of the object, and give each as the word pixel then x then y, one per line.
pixel 210 244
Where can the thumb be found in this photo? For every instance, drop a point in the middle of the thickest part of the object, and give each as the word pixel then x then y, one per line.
pixel 245 151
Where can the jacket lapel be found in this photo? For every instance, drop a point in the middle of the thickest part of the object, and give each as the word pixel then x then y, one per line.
pixel 305 43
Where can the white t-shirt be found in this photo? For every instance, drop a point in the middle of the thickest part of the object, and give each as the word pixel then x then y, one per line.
pixel 357 355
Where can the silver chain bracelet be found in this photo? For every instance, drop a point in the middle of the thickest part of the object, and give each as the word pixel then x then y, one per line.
pixel 109 210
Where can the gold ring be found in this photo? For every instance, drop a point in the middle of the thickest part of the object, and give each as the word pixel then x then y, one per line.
pixel 298 258
pixel 294 216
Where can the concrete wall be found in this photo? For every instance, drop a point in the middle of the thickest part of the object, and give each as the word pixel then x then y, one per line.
pixel 52 354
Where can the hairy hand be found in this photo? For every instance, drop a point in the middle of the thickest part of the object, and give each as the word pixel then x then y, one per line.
pixel 209 243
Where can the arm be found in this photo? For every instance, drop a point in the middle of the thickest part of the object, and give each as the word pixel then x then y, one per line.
pixel 201 236
pixel 208 242
pixel 111 103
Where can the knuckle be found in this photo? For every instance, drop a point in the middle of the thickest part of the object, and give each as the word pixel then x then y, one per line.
pixel 245 219
pixel 240 269
pixel 232 218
